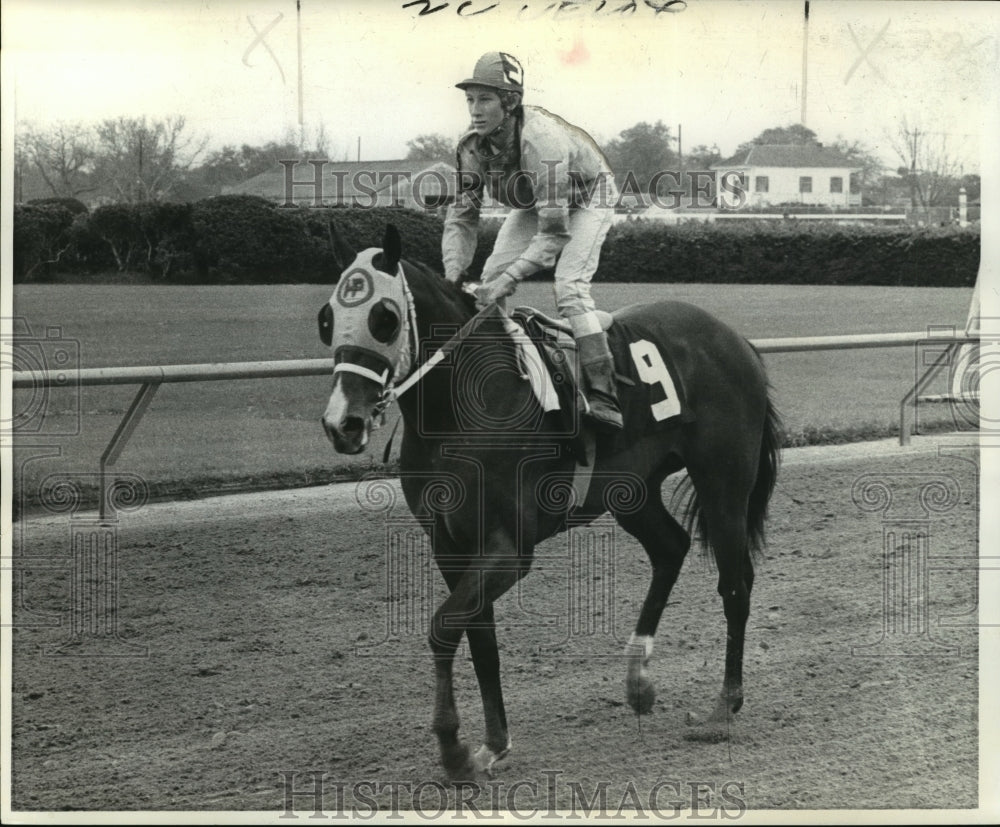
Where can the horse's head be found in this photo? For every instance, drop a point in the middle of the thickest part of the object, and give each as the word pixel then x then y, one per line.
pixel 366 324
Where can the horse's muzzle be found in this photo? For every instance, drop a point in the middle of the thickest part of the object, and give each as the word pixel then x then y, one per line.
pixel 350 436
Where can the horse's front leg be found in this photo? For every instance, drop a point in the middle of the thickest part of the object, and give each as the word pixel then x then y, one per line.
pixel 469 608
pixel 482 637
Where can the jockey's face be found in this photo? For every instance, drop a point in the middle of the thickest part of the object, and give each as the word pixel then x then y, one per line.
pixel 484 108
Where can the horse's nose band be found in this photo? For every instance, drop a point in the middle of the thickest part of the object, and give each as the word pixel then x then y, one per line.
pixel 350 367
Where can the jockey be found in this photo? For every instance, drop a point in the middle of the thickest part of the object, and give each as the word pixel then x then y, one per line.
pixel 561 191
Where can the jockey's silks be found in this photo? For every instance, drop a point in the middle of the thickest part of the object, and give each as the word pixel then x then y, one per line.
pixel 552 168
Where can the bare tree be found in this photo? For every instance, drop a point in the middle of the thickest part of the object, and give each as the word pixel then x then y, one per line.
pixel 928 164
pixel 143 160
pixel 63 155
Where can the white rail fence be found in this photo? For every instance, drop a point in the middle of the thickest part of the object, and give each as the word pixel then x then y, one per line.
pixel 150 377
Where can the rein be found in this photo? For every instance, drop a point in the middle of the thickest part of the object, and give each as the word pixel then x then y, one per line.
pixel 393 391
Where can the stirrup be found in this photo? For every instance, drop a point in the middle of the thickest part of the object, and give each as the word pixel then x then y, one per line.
pixel 605 416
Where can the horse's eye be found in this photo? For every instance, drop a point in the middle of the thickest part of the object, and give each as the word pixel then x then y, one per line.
pixel 326 324
pixel 384 322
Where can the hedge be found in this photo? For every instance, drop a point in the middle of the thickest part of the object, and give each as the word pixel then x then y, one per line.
pixel 42 239
pixel 768 252
pixel 244 239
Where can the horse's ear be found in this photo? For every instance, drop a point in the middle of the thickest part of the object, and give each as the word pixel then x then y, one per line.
pixel 392 248
pixel 343 255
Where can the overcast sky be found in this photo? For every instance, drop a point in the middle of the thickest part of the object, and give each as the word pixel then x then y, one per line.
pixel 382 73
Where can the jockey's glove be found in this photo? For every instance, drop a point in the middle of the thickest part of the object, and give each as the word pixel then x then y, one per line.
pixel 492 291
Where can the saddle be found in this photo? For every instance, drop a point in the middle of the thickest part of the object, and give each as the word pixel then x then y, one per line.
pixel 556 346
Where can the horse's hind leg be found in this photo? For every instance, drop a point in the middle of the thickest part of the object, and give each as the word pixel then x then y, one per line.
pixel 666 543
pixel 724 504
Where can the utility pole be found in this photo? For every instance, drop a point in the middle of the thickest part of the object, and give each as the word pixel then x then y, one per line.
pixel 298 26
pixel 805 61
pixel 680 157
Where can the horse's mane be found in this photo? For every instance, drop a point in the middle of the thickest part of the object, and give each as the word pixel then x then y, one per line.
pixel 444 291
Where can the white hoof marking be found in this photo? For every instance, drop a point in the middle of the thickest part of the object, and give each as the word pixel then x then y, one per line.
pixel 485 758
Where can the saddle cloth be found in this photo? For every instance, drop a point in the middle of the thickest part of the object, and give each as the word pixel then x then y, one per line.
pixel 650 392
pixel 551 342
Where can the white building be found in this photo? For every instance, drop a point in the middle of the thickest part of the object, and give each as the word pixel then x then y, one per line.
pixel 786 174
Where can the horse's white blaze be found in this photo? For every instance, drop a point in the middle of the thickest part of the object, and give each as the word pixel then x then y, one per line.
pixel 337 410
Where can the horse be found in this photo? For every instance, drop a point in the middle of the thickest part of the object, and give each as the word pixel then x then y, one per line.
pixel 401 332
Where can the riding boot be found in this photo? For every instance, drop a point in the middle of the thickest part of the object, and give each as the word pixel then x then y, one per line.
pixel 598 373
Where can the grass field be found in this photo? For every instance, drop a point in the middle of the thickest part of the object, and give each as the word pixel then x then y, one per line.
pixel 218 435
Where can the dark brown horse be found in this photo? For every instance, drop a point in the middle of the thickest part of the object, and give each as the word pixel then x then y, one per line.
pixel 471 417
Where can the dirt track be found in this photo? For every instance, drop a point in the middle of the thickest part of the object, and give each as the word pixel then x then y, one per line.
pixel 264 620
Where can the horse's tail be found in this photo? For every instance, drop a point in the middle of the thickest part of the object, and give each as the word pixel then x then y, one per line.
pixel 767 474
pixel 760 494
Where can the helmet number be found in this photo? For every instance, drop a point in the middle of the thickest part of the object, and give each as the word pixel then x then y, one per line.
pixel 512 69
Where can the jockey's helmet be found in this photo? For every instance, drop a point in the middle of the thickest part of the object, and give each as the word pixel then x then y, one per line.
pixel 497 70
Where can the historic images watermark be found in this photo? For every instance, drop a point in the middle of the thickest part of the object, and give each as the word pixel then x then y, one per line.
pixel 90 567
pixel 431 187
pixel 315 795
pixel 581 578
pixel 46 384
pixel 46 406
pixel 961 366
pixel 909 504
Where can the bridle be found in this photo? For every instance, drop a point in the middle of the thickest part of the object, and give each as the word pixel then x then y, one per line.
pixel 406 369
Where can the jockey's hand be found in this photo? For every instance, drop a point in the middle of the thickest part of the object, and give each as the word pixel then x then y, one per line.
pixel 492 291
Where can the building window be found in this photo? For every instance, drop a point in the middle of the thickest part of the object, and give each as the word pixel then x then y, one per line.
pixel 836 184
pixel 855 183
pixel 806 183
pixel 760 183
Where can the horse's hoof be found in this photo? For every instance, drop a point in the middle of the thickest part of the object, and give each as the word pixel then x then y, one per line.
pixel 640 694
pixel 727 705
pixel 706 732
pixel 485 758
pixel 458 763
pixel 715 727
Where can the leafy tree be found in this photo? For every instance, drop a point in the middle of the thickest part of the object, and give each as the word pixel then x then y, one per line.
pixel 702 157
pixel 231 165
pixel 639 153
pixel 869 179
pixel 793 134
pixel 431 148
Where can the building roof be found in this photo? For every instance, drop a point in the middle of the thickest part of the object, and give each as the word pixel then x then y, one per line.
pixel 788 155
pixel 340 179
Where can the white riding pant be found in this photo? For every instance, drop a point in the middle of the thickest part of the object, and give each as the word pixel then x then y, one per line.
pixel 588 227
